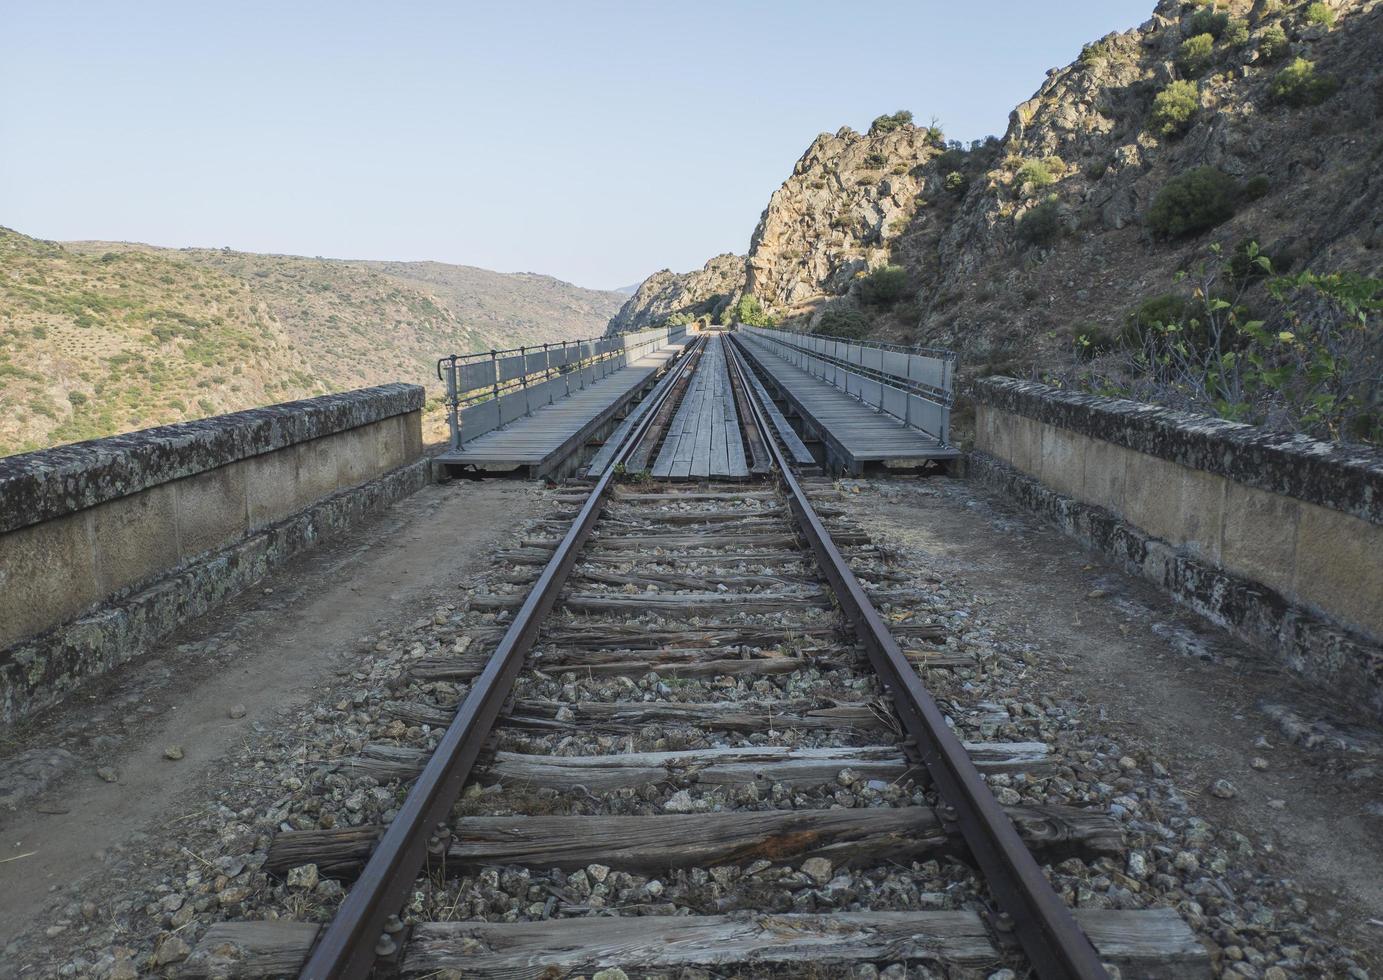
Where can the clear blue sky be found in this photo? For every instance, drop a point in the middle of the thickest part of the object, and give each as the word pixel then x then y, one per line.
pixel 595 141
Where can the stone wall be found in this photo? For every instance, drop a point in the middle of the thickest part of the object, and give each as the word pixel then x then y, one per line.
pixel 1278 537
pixel 107 546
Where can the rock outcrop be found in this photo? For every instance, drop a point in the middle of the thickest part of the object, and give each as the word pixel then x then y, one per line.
pixel 702 292
pixel 1014 245
pixel 848 200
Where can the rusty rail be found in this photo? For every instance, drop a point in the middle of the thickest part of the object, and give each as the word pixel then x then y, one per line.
pixel 365 925
pixel 1052 940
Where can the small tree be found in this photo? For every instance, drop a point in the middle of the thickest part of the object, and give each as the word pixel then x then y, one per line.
pixel 1195 54
pixel 1193 202
pixel 883 286
pixel 1320 15
pixel 1041 225
pixel 887 124
pixel 751 313
pixel 851 324
pixel 1298 84
pixel 1174 108
pixel 1037 174
pixel 1209 21
pixel 1272 43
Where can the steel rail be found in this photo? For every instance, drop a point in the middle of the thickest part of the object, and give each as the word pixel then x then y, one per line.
pixel 1045 928
pixel 363 927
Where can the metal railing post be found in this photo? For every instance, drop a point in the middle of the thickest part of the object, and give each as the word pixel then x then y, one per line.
pixel 453 422
pixel 547 372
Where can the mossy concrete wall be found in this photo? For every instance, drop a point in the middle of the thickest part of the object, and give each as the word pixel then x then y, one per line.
pixel 1277 536
pixel 108 545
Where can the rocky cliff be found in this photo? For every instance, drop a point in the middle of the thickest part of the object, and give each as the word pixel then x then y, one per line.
pixel 849 200
pixel 1201 127
pixel 702 292
pixel 1250 120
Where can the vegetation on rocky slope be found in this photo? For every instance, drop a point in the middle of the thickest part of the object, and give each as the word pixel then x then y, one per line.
pixel 99 338
pixel 1306 356
pixel 1211 123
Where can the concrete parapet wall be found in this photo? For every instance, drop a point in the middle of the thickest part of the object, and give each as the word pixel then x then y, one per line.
pixel 1290 529
pixel 108 545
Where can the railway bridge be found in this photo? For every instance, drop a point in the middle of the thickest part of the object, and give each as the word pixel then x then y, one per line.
pixel 707 699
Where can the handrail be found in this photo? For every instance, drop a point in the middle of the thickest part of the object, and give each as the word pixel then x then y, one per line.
pixel 940 352
pixel 532 375
pixel 912 384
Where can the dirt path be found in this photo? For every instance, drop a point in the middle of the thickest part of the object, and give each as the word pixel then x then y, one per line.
pixel 1172 688
pixel 265 653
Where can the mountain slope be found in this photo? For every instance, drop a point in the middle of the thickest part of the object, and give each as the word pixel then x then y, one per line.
pixel 1008 249
pixel 98 338
pixel 701 292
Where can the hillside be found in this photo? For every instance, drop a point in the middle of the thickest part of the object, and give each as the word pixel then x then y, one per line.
pixel 1011 248
pixel 99 337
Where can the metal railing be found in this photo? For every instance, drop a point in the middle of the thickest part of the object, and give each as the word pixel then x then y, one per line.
pixel 912 384
pixel 490 389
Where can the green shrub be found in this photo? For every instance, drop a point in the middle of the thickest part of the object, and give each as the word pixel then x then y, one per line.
pixel 1248 263
pixel 851 324
pixel 875 160
pixel 1320 14
pixel 952 159
pixel 1194 54
pixel 1256 186
pixel 1038 173
pixel 77 398
pixel 1094 340
pixel 956 182
pixel 1152 313
pixel 883 286
pixel 1095 53
pixel 750 312
pixel 1306 359
pixel 1236 33
pixel 1298 84
pixel 887 124
pixel 1209 21
pixel 1174 108
pixel 1193 201
pixel 1272 43
pixel 1041 225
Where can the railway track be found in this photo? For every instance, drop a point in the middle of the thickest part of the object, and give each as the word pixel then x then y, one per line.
pixel 689 699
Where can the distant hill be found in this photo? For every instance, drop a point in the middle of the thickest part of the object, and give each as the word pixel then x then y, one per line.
pixel 100 337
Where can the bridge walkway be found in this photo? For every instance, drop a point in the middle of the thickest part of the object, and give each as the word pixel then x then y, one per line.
pixel 541 442
pixel 704 439
pixel 853 433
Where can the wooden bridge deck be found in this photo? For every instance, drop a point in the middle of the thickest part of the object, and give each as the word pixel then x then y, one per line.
pixel 704 439
pixel 853 432
pixel 541 442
